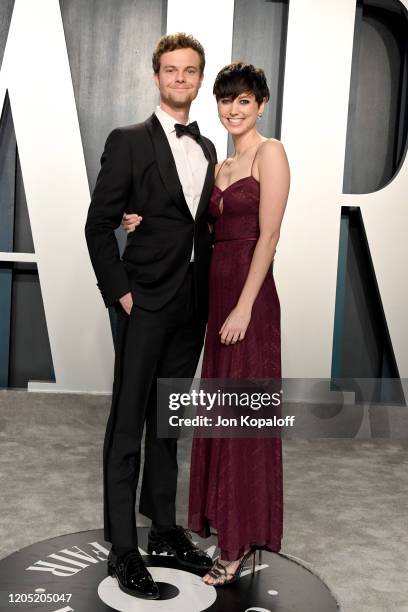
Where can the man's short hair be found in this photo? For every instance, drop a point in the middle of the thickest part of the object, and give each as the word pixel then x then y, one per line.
pixel 179 40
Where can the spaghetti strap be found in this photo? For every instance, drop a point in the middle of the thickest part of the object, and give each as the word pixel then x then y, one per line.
pixel 256 153
pixel 218 171
pixel 252 165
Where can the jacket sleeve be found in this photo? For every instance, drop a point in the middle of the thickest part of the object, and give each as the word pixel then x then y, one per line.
pixel 212 148
pixel 214 153
pixel 108 203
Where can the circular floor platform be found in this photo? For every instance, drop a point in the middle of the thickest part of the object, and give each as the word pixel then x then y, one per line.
pixel 68 574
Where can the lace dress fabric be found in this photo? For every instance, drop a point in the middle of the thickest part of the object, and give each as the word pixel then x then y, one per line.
pixel 236 484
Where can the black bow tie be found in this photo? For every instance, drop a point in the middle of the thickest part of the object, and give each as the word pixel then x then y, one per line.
pixel 191 129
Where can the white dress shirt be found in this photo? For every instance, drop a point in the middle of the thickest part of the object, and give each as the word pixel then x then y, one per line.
pixel 190 162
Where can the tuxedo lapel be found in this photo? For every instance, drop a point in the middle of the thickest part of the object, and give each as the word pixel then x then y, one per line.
pixel 166 163
pixel 208 181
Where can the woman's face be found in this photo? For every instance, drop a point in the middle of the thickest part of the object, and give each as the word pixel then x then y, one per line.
pixel 239 116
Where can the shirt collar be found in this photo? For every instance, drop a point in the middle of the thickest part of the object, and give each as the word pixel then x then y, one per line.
pixel 166 120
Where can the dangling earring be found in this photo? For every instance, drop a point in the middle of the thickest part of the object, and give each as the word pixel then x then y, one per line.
pixel 259 115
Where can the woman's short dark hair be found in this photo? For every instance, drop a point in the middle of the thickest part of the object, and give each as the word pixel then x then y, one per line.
pixel 238 78
pixel 179 40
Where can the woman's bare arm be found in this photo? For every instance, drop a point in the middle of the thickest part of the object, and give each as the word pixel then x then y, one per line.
pixel 274 177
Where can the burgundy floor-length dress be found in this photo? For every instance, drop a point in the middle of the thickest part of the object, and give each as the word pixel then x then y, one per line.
pixel 236 484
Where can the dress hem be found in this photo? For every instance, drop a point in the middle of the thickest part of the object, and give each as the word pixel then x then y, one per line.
pixel 204 531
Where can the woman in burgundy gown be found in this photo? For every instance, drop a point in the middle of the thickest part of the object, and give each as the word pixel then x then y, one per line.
pixel 236 484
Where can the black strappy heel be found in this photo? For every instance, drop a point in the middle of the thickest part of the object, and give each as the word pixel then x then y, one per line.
pixel 222 577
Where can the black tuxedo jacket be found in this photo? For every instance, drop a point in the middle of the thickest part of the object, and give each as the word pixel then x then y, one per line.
pixel 138 174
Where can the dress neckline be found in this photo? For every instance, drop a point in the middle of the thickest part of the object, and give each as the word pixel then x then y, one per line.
pixel 244 178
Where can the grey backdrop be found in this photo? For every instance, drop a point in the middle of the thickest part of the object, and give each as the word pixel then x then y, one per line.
pixel 109 45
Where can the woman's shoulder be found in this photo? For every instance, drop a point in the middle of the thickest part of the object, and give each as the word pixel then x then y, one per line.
pixel 217 166
pixel 269 146
pixel 270 153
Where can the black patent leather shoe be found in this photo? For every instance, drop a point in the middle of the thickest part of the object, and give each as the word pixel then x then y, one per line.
pixel 177 542
pixel 132 575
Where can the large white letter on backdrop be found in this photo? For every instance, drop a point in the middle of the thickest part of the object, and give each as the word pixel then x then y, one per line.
pixel 314 124
pixel 36 73
pixel 212 23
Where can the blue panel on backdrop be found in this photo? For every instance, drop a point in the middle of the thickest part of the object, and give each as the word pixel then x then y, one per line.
pixel 362 345
pixel 338 330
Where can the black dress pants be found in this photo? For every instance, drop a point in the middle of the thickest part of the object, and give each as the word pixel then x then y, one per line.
pixel 149 345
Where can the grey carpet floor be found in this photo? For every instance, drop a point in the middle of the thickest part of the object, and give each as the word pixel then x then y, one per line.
pixel 345 500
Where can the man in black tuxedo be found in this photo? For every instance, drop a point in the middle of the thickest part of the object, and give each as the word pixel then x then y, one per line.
pixel 162 169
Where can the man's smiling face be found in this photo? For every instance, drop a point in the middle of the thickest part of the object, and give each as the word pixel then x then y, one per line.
pixel 179 78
